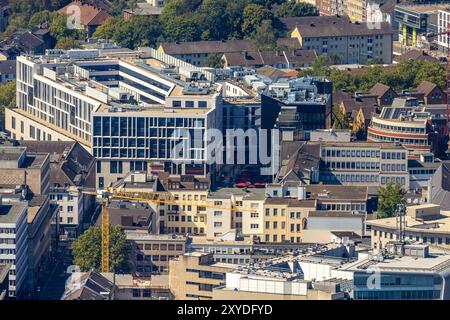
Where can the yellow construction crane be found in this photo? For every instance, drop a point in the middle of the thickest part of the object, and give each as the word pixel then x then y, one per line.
pixel 143 196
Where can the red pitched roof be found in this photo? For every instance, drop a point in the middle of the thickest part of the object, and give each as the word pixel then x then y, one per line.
pixel 90 15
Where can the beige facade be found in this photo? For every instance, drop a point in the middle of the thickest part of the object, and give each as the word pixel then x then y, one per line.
pixel 233 209
pixel 353 43
pixel 357 10
pixel 190 216
pixel 24 126
pixel 17 167
pixel 193 276
pixel 152 253
pixel 284 219
pixel 350 49
pixel 436 232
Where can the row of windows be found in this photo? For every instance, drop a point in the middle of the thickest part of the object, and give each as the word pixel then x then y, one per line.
pixel 184 230
pixel 343 207
pixel 176 218
pixel 353 165
pixel 140 126
pixel 432 240
pixel 351 153
pixel 362 178
pixel 376 125
pixel 160 247
pixel 293 227
pixel 396 295
pixel 157 258
pixel 283 238
pixel 422 171
pixel 419 142
pixel 8 230
pixel 189 104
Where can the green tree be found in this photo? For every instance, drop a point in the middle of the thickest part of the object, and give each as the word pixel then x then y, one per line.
pixel 67 43
pixel 213 61
pixel 183 28
pixel 293 9
pixel 342 80
pixel 108 28
pixel 39 18
pixel 253 17
pixel 430 71
pixel 265 37
pixel 86 250
pixel 7 95
pixel 341 121
pixel 58 27
pixel 139 31
pixel 388 198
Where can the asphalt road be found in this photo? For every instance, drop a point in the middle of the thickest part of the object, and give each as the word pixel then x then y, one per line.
pixel 52 288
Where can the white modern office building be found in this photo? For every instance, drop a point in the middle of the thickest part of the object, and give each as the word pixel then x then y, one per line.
pixel 14 243
pixel 128 112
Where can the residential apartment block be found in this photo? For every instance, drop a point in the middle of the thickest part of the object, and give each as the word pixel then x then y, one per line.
pixel 235 210
pixel 353 43
pixel 285 219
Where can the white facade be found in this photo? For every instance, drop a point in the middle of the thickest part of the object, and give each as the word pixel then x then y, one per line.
pixel 14 245
pixel 443 17
pixel 265 284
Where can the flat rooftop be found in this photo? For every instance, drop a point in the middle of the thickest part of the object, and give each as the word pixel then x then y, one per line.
pixel 151 110
pixel 334 192
pixel 427 8
pixel 249 194
pixel 145 236
pixel 11 153
pixel 201 240
pixel 432 224
pixel 10 212
pixel 290 202
pixel 375 145
pixel 433 263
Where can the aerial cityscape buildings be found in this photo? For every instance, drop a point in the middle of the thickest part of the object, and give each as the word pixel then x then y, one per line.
pixel 291 150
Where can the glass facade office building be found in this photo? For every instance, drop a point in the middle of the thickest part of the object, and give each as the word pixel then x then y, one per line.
pixel 400 286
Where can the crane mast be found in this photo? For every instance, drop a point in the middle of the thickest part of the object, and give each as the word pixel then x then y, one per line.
pixel 154 197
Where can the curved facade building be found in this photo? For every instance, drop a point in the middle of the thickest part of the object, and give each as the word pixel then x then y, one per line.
pixel 403 123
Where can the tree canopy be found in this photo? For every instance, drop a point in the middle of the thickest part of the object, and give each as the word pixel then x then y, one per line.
pixel 389 197
pixel 194 20
pixel 86 250
pixel 294 9
pixel 406 75
pixel 7 95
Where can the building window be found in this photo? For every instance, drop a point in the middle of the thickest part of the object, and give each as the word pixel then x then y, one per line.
pixel 101 182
